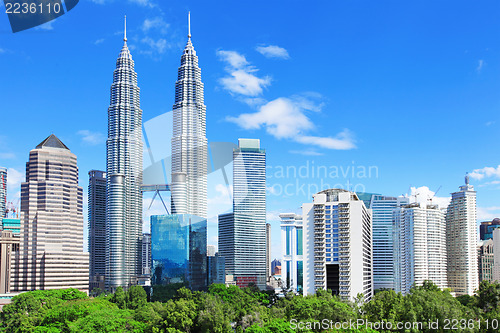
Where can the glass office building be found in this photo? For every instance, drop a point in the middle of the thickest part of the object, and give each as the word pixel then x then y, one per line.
pixel 179 250
pixel 383 243
pixel 292 268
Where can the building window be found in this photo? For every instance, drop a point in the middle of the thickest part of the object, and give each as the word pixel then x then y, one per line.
pixel 299 242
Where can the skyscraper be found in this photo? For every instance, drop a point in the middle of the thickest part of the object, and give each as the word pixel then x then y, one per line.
pixel 124 176
pixel 292 248
pixel 268 251
pixel 486 228
pixel 189 141
pixel 461 235
pixel 51 244
pixel 485 259
pixel 179 250
pixel 242 234
pixel 337 231
pixel 97 227
pixel 419 246
pixel 146 254
pixel 3 192
pixel 382 210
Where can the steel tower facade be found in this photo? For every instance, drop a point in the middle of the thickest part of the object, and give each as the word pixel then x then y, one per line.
pixel 189 141
pixel 124 175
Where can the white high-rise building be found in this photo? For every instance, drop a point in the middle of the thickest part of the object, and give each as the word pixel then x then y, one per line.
pixel 338 244
pixel 189 141
pixel 292 249
pixel 51 239
pixel 461 235
pixel 419 246
pixel 124 176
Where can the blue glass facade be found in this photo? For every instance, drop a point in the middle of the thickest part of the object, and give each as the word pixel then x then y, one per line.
pixel 179 250
pixel 12 224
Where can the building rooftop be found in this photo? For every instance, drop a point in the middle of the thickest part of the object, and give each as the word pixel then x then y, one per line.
pixel 52 141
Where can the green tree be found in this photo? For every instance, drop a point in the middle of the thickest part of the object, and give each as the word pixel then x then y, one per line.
pixel 488 296
pixel 119 298
pixel 136 297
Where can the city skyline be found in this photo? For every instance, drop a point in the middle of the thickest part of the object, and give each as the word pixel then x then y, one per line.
pixel 403 103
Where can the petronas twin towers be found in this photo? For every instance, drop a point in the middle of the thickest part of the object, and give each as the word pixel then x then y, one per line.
pixel 124 167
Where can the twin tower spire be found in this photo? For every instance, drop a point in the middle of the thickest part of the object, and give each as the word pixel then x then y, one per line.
pixel 124 166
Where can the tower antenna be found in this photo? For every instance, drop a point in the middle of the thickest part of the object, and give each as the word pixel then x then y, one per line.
pixel 125 31
pixel 189 24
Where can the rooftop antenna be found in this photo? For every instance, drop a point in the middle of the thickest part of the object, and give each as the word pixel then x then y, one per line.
pixel 189 24
pixel 125 31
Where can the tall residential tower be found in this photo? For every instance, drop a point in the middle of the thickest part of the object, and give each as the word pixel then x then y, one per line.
pixel 419 246
pixel 124 176
pixel 189 141
pixel 337 235
pixel 461 234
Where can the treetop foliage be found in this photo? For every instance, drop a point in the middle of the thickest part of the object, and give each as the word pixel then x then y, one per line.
pixel 231 309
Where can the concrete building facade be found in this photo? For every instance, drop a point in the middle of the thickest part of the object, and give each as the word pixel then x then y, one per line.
pixel 51 239
pixel 338 244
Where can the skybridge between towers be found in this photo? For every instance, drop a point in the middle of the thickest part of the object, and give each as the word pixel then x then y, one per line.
pixel 157 189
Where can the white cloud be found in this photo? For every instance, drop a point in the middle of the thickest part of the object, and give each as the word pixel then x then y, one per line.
pixel 234 59
pixel 46 26
pixel 342 141
pixel 489 123
pixel 273 51
pixel 423 195
pixel 144 3
pixel 479 174
pixel 273 216
pixel 99 41
pixel 480 65
pixel 14 180
pixel 155 23
pixel 306 152
pixel 241 79
pixel 156 46
pixel 224 195
pixel 487 213
pixel 285 118
pixel 91 138
pixel 281 117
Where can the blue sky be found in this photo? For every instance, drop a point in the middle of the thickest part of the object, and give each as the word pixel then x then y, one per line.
pixel 406 90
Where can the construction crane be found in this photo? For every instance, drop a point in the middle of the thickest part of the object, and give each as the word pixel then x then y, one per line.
pixel 12 210
pixel 430 199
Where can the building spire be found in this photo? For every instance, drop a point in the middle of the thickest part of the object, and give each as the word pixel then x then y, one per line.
pixel 125 31
pixel 189 25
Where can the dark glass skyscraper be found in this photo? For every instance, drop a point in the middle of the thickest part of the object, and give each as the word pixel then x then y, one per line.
pixel 97 226
pixel 179 250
